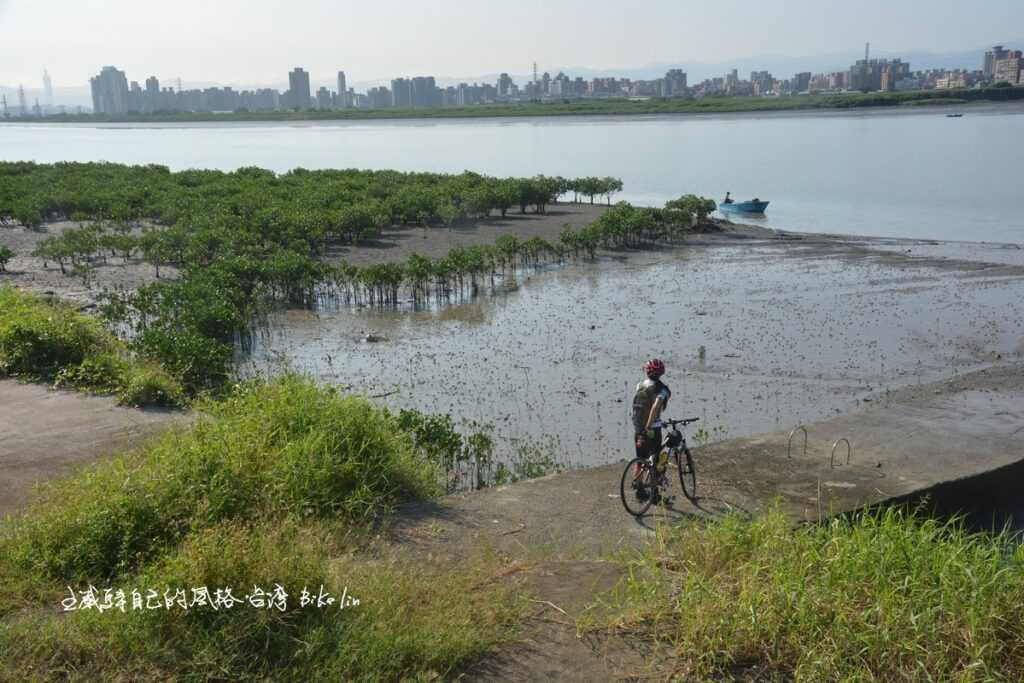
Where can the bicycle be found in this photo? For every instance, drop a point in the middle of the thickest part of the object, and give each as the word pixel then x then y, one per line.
pixel 642 480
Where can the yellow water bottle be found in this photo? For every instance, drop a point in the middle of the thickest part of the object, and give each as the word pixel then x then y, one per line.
pixel 662 461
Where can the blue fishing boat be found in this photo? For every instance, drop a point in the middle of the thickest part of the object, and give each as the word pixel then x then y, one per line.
pixel 753 206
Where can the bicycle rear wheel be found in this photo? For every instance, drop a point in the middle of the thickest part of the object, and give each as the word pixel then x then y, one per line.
pixel 639 487
pixel 687 473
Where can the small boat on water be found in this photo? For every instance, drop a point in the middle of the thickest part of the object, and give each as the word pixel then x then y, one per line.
pixel 954 116
pixel 753 206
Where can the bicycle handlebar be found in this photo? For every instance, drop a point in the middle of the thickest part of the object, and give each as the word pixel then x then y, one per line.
pixel 673 423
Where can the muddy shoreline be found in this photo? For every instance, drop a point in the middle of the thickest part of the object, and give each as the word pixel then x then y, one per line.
pixel 397 243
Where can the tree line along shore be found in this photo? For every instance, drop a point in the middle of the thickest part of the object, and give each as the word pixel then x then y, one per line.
pixel 608 107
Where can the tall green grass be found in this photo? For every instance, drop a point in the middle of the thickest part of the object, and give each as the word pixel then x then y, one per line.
pixel 887 596
pixel 279 483
pixel 414 620
pixel 44 339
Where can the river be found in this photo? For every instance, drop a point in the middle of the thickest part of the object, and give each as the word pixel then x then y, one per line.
pixel 892 173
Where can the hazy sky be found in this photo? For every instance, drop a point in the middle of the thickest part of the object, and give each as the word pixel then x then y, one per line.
pixel 258 41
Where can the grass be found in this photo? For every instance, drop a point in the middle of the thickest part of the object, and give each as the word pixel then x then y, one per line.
pixel 44 339
pixel 278 484
pixel 414 621
pixel 884 596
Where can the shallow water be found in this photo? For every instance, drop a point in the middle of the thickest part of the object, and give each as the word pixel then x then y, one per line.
pixel 790 336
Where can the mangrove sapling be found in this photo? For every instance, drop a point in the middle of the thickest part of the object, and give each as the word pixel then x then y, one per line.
pixel 6 254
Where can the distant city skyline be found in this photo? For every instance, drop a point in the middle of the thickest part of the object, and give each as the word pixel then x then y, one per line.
pixel 245 43
pixel 79 94
pixel 114 94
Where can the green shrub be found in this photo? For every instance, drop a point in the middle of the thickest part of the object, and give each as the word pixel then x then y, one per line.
pixel 46 339
pixel 38 338
pixel 6 254
pixel 150 385
pixel 102 372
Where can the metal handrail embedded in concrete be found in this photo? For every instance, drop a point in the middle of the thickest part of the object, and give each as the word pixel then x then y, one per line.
pixel 849 450
pixel 789 446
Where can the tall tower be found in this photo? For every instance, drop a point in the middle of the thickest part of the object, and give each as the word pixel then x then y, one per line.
pixel 23 107
pixel 3 100
pixel 298 86
pixel 47 90
pixel 867 51
pixel 342 90
pixel 535 79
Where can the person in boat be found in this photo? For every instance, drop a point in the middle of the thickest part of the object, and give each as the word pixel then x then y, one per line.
pixel 728 199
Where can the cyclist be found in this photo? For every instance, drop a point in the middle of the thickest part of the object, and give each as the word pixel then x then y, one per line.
pixel 649 401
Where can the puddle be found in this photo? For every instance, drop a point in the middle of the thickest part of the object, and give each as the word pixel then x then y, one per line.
pixel 788 337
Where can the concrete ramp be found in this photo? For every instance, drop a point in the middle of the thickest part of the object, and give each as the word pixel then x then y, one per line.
pixel 45 433
pixel 908 443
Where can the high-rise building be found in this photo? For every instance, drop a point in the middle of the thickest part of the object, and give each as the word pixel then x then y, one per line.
pixel 401 92
pixel 675 83
pixel 136 101
pixel 152 98
pixel 994 55
pixel 425 92
pixel 343 100
pixel 47 90
pixel 298 88
pixel 109 91
pixel 505 85
pixel 324 101
pixel 1008 69
pixel 873 74
pixel 378 98
pixel 761 82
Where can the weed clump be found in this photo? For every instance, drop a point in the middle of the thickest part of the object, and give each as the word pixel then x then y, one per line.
pixel 49 340
pixel 880 596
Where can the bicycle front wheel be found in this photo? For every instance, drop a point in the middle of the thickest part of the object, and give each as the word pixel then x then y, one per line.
pixel 687 473
pixel 638 487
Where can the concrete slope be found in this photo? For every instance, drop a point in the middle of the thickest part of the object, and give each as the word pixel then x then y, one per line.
pixel 45 433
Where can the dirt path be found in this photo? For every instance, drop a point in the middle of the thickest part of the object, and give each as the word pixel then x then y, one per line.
pixel 46 433
pixel 565 527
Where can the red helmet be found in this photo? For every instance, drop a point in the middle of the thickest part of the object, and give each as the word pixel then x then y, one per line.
pixel 654 368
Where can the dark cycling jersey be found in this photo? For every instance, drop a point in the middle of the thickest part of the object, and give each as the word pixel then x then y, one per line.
pixel 647 392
